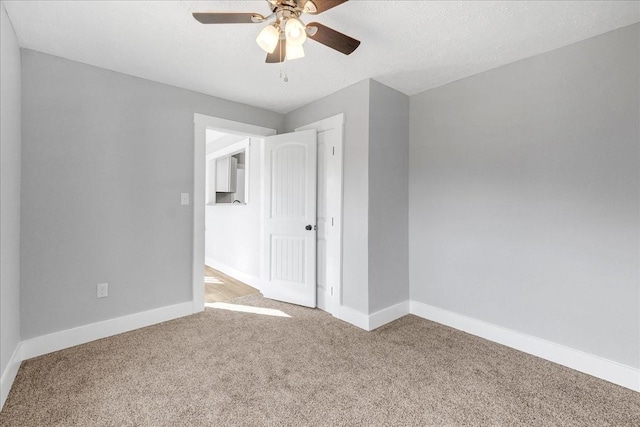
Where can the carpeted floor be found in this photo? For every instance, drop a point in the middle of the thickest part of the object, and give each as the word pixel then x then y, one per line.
pixel 226 368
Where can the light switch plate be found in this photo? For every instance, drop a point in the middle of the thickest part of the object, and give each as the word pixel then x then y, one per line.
pixel 184 198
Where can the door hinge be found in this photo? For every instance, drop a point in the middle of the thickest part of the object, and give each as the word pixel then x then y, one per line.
pixel 333 151
pixel 332 221
pixel 332 291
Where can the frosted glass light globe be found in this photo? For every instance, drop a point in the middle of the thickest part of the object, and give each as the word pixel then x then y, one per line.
pixel 268 38
pixel 295 32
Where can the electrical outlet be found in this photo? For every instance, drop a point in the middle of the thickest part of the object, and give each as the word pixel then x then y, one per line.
pixel 102 290
pixel 184 199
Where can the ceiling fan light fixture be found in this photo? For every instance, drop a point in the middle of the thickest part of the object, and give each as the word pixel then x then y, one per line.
pixel 295 31
pixel 268 38
pixel 309 7
pixel 285 31
pixel 294 51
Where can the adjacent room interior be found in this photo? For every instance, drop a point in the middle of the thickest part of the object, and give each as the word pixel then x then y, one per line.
pixel 231 237
pixel 409 213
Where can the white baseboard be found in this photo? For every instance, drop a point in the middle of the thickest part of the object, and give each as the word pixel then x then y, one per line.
pixel 388 315
pixel 354 317
pixel 9 374
pixel 236 274
pixel 608 370
pixel 369 322
pixel 44 344
pixel 83 334
pixel 625 376
pixel 617 373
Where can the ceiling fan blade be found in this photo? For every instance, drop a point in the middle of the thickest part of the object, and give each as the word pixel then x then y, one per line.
pixel 228 18
pixel 278 55
pixel 324 5
pixel 332 38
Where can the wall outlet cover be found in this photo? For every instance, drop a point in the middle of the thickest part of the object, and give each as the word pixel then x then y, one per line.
pixel 102 290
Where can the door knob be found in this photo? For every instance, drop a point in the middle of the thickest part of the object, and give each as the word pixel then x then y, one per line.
pixel 308 227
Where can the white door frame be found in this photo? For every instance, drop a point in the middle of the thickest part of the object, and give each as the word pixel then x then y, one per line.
pixel 201 123
pixel 334 246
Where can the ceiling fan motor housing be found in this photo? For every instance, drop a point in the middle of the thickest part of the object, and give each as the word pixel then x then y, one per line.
pixel 288 4
pixel 287 10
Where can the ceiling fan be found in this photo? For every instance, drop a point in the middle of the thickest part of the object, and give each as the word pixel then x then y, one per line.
pixel 283 38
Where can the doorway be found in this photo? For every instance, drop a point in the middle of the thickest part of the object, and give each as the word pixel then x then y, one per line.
pixel 329 217
pixel 232 216
pixel 202 124
pixel 233 224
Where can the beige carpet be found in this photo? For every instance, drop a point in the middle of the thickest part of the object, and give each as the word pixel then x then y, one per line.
pixel 224 368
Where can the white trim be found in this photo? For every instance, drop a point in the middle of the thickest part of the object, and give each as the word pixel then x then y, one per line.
pixel 369 322
pixel 388 315
pixel 354 317
pixel 44 344
pixel 608 370
pixel 201 124
pixel 83 334
pixel 9 374
pixel 332 122
pixel 232 272
pixel 230 126
pixel 625 376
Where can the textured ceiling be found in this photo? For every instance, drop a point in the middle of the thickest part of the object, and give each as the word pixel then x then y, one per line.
pixel 410 46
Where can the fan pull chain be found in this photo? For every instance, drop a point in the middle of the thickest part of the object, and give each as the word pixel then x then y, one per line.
pixel 286 76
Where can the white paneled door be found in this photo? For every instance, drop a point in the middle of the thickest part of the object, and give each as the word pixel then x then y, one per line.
pixel 290 217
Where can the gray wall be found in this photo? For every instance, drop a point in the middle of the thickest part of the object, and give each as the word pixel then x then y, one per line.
pixel 10 142
pixel 388 197
pixel 524 196
pixel 353 101
pixel 105 158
